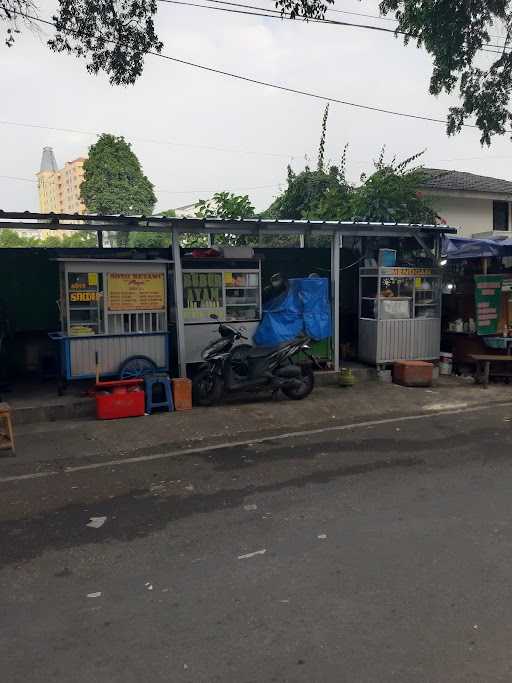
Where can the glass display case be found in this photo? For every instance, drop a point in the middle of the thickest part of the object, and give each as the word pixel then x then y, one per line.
pixel 231 290
pixel 232 295
pixel 399 314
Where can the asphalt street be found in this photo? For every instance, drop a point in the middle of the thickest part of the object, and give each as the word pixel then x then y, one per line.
pixel 375 554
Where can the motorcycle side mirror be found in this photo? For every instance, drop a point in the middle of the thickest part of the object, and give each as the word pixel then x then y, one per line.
pixel 213 316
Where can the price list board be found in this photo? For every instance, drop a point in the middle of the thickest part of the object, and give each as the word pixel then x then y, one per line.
pixel 488 303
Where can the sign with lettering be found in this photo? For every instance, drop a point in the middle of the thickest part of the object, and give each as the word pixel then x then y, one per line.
pixel 136 291
pixel 487 303
pixel 83 297
pixel 406 272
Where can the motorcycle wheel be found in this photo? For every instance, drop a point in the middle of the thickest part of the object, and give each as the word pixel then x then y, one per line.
pixel 207 388
pixel 306 387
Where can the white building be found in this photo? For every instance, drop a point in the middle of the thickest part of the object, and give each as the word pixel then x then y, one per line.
pixel 480 205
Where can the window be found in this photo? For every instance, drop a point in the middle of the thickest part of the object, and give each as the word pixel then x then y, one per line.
pixel 500 215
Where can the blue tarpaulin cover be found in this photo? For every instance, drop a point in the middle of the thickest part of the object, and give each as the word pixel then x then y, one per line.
pixel 466 247
pixel 303 309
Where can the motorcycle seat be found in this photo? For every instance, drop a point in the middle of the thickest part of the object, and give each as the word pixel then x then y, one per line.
pixel 262 351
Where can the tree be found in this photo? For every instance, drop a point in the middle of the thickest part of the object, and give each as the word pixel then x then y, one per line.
pixel 454 33
pixel 152 239
pixel 392 194
pixel 113 36
pixel 225 205
pixel 80 238
pixel 10 238
pixel 114 182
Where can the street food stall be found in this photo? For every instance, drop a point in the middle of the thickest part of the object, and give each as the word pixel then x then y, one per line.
pixel 399 314
pixel 477 317
pixel 113 314
pixel 227 288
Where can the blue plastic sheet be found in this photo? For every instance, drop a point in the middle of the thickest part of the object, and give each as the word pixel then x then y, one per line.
pixel 466 247
pixel 303 309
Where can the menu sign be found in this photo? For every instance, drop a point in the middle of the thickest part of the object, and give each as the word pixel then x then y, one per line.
pixel 487 303
pixel 136 291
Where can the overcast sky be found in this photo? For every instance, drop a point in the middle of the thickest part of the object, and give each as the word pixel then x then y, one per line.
pixel 187 111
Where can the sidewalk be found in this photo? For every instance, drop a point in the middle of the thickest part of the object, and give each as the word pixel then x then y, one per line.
pixel 63 443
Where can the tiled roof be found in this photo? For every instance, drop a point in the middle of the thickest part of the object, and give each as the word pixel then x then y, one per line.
pixel 440 179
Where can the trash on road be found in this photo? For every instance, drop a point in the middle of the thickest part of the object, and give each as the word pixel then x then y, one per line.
pixel 322 537
pixel 94 595
pixel 149 586
pixel 251 507
pixel 96 522
pixel 249 555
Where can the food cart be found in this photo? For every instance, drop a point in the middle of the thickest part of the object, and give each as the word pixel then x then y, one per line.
pixel 113 314
pixel 227 288
pixel 399 314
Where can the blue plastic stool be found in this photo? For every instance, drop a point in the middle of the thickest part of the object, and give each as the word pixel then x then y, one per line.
pixel 150 381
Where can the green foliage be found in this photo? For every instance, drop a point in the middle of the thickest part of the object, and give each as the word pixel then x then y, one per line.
pixel 390 194
pixel 114 182
pixel 453 32
pixel 114 37
pixel 10 238
pixel 225 205
pixel 152 239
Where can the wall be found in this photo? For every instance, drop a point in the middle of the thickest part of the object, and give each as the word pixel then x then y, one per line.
pixel 472 215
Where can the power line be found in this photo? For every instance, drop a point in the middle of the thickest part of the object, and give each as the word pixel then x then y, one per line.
pixel 254 187
pixel 170 143
pixel 283 88
pixel 264 12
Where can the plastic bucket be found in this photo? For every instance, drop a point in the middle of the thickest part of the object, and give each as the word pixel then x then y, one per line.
pixel 445 363
pixel 182 393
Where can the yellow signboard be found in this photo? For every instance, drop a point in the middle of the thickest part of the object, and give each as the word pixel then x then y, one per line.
pixel 136 291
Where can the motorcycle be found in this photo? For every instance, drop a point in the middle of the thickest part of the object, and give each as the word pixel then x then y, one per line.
pixel 230 368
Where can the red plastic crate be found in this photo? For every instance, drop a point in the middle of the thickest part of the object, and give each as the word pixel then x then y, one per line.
pixel 119 399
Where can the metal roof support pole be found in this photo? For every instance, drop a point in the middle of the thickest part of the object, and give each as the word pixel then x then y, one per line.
pixel 178 292
pixel 425 247
pixel 335 289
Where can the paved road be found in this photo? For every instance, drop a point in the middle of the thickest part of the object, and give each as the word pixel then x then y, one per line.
pixel 371 555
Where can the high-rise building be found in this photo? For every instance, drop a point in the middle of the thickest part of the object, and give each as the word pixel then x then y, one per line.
pixel 59 190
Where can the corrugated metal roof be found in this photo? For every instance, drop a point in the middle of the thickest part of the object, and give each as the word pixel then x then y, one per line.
pixel 441 179
pixel 242 225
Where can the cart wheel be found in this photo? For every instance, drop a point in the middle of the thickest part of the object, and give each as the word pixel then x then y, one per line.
pixel 136 366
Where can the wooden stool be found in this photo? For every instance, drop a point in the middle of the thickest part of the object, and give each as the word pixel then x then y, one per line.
pixel 6 434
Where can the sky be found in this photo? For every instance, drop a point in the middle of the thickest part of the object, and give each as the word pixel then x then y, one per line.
pixel 196 133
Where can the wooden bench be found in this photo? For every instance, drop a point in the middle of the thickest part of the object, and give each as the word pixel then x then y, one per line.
pixel 483 366
pixel 6 431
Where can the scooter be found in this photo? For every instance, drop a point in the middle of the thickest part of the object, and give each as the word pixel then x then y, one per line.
pixel 230 368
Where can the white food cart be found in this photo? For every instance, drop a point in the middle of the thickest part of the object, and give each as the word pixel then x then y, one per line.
pixel 113 312
pixel 399 314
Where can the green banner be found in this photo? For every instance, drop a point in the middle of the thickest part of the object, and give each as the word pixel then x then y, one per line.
pixel 487 303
